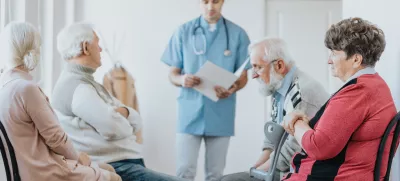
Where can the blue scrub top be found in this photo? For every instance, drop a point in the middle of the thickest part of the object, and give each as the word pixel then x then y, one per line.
pixel 198 115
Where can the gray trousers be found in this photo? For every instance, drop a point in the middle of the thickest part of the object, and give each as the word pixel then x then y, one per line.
pixel 244 176
pixel 188 151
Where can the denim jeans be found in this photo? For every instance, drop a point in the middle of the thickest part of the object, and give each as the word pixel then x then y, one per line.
pixel 135 170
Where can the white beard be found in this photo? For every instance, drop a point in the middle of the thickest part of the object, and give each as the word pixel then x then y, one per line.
pixel 275 82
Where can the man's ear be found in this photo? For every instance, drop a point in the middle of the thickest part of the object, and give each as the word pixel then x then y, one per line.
pixel 280 66
pixel 85 47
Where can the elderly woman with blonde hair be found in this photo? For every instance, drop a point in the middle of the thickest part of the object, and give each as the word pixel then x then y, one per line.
pixel 43 150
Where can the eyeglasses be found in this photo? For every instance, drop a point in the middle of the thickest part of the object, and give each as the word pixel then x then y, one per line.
pixel 260 69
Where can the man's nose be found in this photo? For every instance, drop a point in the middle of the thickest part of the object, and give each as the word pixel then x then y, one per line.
pixel 210 6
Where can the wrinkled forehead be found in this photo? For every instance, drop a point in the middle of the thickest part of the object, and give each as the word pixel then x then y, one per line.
pixel 257 55
pixel 96 37
pixel 212 2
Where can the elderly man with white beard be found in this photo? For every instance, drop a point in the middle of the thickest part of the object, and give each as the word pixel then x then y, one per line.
pixel 291 90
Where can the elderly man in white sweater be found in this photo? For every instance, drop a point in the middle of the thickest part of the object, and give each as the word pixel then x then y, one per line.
pixel 97 123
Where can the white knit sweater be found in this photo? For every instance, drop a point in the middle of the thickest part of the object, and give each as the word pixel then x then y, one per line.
pixel 91 120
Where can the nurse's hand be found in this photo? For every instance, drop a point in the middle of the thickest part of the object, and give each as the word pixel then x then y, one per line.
pixel 221 92
pixel 190 81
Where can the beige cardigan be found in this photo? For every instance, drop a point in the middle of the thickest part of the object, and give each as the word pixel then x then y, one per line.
pixel 42 148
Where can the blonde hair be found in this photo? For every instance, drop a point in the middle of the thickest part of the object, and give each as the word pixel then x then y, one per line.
pixel 20 45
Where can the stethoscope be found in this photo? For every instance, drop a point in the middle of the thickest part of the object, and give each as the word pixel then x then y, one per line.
pixel 227 52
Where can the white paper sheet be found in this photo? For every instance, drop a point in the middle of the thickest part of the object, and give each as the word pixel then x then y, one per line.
pixel 212 75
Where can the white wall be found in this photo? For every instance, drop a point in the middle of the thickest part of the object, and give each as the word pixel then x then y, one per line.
pixel 148 26
pixel 385 14
pixel 311 19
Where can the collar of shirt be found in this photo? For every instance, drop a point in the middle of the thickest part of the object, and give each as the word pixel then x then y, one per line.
pixel 368 70
pixel 17 74
pixel 213 27
pixel 14 74
pixel 287 81
pixel 206 25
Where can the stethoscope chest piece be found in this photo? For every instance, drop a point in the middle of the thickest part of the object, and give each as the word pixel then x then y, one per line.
pixel 227 53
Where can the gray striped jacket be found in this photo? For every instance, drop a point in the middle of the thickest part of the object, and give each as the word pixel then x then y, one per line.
pixel 307 95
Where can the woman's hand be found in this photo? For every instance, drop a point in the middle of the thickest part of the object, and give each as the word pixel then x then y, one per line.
pixel 290 120
pixel 84 159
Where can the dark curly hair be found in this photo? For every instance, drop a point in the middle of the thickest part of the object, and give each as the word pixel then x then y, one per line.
pixel 357 36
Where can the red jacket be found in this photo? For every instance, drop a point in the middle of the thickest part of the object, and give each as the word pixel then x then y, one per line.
pixel 346 133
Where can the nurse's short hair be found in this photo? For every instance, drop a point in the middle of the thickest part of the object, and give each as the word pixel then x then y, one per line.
pixel 70 39
pixel 274 48
pixel 20 45
pixel 357 36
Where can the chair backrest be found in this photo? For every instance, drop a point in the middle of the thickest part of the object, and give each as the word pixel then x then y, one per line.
pixel 8 154
pixel 394 122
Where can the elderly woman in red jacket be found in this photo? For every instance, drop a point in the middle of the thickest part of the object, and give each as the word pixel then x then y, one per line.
pixel 341 142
